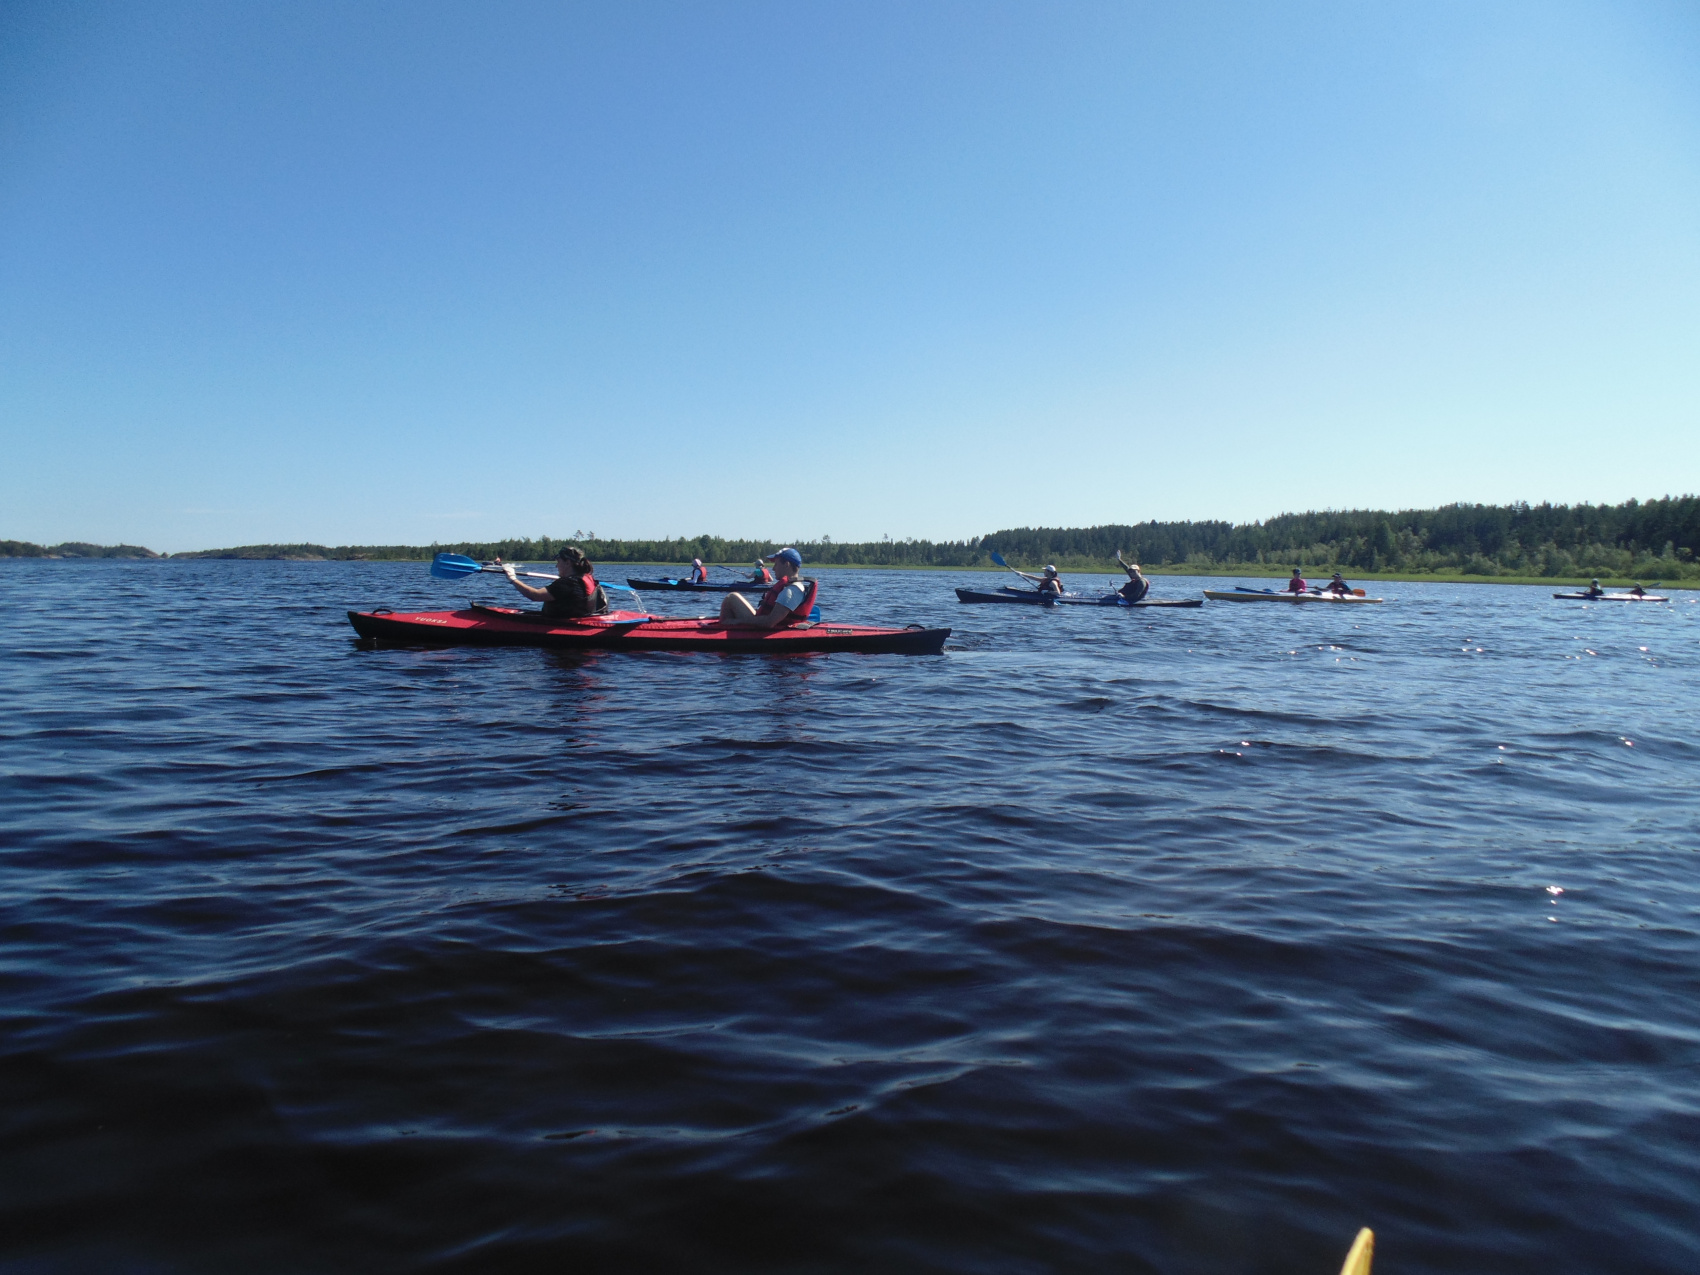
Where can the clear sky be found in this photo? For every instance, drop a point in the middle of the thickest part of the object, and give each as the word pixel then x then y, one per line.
pixel 396 273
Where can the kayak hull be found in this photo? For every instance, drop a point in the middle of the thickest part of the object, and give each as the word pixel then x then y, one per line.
pixel 1329 599
pixel 634 631
pixel 1609 597
pixel 685 586
pixel 1028 597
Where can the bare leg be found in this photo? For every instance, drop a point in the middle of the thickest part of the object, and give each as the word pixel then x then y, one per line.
pixel 737 609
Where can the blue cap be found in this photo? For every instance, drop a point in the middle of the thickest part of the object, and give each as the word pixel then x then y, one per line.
pixel 790 555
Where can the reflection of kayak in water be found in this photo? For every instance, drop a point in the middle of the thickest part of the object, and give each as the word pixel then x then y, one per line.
pixel 1269 595
pixel 1033 597
pixel 1609 597
pixel 635 631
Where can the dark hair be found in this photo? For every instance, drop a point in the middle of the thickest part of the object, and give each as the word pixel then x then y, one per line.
pixel 573 555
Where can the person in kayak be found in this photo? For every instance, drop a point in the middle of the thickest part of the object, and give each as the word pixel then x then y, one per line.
pixel 575 593
pixel 1637 590
pixel 1297 584
pixel 1338 586
pixel 1137 585
pixel 783 599
pixel 762 574
pixel 699 573
pixel 1593 590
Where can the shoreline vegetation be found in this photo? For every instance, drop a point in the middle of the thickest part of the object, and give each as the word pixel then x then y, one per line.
pixel 1655 540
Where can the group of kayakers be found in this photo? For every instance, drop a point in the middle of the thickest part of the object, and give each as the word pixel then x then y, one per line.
pixel 1050 582
pixel 575 592
pixel 1298 584
pixel 1594 591
pixel 699 573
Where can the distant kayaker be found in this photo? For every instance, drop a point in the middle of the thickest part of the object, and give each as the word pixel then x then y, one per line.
pixel 1593 590
pixel 699 573
pixel 762 574
pixel 1297 584
pixel 575 593
pixel 782 598
pixel 1137 585
pixel 1637 590
pixel 1338 586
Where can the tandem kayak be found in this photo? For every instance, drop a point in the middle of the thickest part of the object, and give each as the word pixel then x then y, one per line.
pixel 634 631
pixel 1262 595
pixel 1609 597
pixel 1033 598
pixel 686 586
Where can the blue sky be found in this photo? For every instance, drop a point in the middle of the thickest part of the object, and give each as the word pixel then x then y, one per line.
pixel 414 272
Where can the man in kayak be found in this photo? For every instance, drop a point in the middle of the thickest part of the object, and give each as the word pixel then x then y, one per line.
pixel 575 593
pixel 783 597
pixel 1338 586
pixel 762 575
pixel 1637 590
pixel 1593 590
pixel 1297 584
pixel 699 573
pixel 1137 585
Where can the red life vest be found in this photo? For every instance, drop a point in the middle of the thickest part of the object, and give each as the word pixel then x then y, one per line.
pixel 699 575
pixel 1297 585
pixel 810 589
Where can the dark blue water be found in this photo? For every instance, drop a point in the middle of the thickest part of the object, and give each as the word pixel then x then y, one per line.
pixel 1181 941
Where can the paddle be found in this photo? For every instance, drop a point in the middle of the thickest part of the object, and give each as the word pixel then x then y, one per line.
pixel 998 558
pixel 456 566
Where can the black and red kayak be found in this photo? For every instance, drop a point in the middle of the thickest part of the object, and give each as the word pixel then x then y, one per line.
pixel 1032 597
pixel 711 586
pixel 634 631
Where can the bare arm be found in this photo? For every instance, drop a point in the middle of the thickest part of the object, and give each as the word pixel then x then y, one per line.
pixel 530 591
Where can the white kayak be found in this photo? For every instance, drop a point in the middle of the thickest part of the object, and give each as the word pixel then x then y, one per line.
pixel 1261 595
pixel 1609 597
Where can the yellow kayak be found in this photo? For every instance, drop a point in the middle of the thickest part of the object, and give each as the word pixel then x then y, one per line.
pixel 1363 1249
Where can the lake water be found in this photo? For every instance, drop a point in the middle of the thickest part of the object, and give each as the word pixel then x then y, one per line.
pixel 1178 941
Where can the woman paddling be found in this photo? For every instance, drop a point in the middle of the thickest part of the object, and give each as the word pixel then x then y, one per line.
pixel 1297 584
pixel 699 573
pixel 575 593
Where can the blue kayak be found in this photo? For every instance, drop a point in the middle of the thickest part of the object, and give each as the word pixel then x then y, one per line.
pixel 1032 597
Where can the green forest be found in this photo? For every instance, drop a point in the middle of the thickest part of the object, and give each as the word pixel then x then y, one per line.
pixel 1656 539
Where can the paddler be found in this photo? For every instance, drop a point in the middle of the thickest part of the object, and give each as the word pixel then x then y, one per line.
pixel 575 593
pixel 1338 586
pixel 762 575
pixel 1137 585
pixel 1297 583
pixel 783 597
pixel 1637 590
pixel 1593 590
pixel 699 573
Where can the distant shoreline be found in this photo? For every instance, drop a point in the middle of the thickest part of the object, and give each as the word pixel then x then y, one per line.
pixel 1254 571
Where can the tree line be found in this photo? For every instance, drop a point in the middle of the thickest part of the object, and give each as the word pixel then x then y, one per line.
pixel 1654 538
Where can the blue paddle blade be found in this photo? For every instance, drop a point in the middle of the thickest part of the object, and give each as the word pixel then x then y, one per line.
pixel 453 566
pixel 998 558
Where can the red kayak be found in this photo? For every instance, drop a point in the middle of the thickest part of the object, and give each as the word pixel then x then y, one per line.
pixel 634 631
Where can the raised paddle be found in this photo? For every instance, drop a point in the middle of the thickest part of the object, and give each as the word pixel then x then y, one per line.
pixel 456 566
pixel 998 558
